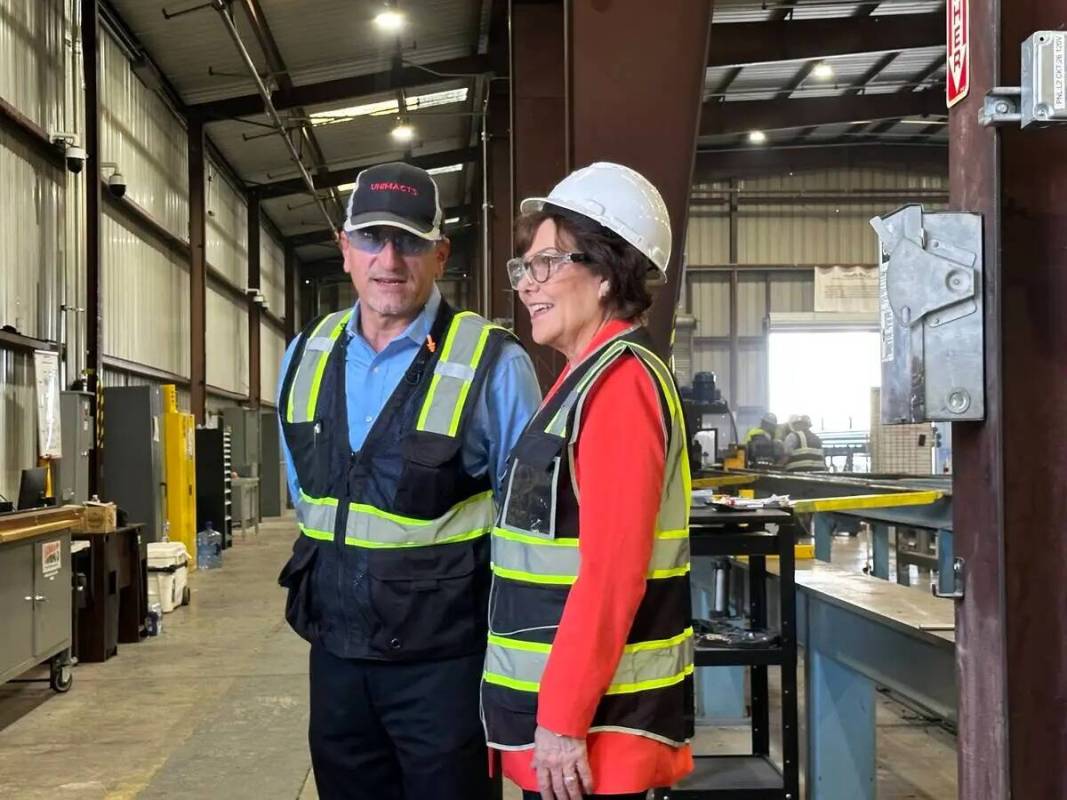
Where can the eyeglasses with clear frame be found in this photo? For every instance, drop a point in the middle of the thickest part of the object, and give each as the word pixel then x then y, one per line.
pixel 373 241
pixel 541 266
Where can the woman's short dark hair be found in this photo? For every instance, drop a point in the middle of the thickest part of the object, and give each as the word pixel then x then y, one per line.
pixel 610 257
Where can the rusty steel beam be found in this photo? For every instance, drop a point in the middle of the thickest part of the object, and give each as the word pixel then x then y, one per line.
pixel 1011 626
pixel 742 116
pixel 94 334
pixel 539 52
pixel 328 179
pixel 333 91
pixel 254 348
pixel 794 40
pixel 624 54
pixel 197 269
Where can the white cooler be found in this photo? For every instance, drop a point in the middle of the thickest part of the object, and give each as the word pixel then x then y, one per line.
pixel 168 575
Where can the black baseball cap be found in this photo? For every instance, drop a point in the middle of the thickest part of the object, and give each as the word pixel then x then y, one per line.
pixel 398 195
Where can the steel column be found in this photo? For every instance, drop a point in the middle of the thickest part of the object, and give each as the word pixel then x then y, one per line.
pixel 291 279
pixel 94 334
pixel 624 55
pixel 880 546
pixel 841 730
pixel 538 130
pixel 197 270
pixel 254 349
pixel 1012 622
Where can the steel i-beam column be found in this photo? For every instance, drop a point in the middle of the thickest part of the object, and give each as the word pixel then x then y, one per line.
pixel 1011 628
pixel 254 349
pixel 636 84
pixel 197 270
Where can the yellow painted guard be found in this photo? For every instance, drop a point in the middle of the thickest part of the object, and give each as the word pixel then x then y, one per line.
pixel 856 502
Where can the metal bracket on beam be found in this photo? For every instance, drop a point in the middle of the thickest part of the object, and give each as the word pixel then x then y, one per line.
pixel 959 575
pixel 1042 99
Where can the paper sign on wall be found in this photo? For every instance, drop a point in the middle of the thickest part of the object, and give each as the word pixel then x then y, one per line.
pixel 46 370
pixel 846 290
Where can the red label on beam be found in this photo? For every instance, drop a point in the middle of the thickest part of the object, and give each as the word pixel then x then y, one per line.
pixel 958 36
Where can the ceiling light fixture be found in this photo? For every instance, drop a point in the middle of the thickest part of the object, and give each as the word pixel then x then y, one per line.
pixel 823 71
pixel 389 20
pixel 757 137
pixel 403 132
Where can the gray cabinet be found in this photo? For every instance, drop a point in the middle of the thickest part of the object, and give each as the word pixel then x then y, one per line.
pixel 244 439
pixel 272 491
pixel 133 455
pixel 35 602
pixel 78 432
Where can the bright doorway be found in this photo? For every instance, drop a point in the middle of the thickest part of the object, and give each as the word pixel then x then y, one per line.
pixel 827 375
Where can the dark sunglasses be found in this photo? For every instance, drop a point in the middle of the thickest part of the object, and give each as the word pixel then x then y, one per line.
pixel 373 241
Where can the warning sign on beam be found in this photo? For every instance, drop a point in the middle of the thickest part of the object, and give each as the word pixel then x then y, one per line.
pixel 958 33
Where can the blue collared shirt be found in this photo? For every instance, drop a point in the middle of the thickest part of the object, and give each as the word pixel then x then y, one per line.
pixel 508 398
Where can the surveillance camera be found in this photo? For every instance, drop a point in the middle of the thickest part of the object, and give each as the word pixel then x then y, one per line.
pixel 116 184
pixel 75 157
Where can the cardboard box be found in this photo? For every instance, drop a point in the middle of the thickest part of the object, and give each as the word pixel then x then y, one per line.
pixel 100 517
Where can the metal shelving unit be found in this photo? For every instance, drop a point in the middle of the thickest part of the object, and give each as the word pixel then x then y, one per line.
pixel 751 776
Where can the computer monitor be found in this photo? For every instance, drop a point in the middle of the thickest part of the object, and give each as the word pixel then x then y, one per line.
pixel 31 488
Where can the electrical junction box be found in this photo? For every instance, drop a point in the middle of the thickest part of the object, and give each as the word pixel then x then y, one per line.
pixel 1044 79
pixel 932 319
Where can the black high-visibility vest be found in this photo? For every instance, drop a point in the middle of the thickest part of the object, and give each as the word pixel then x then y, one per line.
pixel 808 456
pixel 393 557
pixel 535 562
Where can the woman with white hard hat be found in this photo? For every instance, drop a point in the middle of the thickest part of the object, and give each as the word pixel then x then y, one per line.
pixel 588 687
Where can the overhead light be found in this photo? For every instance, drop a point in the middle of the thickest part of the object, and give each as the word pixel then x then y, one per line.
pixel 415 102
pixel 823 71
pixel 451 220
pixel 445 170
pixel 403 132
pixel 757 137
pixel 389 20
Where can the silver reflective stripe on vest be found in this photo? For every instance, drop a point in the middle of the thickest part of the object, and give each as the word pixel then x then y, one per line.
pixel 368 526
pixel 317 517
pixel 304 392
pixel 805 457
pixel 555 562
pixel 454 373
pixel 519 665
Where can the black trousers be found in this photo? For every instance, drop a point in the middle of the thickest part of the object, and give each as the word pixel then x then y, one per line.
pixel 638 796
pixel 396 731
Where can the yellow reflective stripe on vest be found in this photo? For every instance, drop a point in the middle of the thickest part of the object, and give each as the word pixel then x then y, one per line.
pixel 454 374
pixel 555 562
pixel 304 392
pixel 643 666
pixel 317 517
pixel 371 527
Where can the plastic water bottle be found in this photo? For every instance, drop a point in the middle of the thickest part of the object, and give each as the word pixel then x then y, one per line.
pixel 208 548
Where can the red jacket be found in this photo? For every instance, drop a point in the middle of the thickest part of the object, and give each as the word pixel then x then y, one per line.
pixel 619 469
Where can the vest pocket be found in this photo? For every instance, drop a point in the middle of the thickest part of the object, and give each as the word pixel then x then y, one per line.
pixel 424 602
pixel 295 577
pixel 429 482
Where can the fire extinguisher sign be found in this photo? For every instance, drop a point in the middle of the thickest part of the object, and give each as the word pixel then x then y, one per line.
pixel 958 36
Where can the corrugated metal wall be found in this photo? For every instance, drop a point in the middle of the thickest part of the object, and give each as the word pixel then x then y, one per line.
pixel 145 298
pixel 227 228
pixel 793 236
pixel 33 59
pixel 18 420
pixel 272 349
pixel 272 271
pixel 227 342
pixel 147 142
pixel 31 240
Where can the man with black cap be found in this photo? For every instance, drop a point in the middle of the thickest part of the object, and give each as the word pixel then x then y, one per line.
pixel 398 416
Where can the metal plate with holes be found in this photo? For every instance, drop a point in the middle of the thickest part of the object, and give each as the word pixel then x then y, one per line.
pixel 931 316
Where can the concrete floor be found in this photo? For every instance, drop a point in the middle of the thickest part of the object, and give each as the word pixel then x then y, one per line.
pixel 216 707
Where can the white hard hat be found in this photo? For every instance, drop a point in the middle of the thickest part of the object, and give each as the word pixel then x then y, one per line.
pixel 622 200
